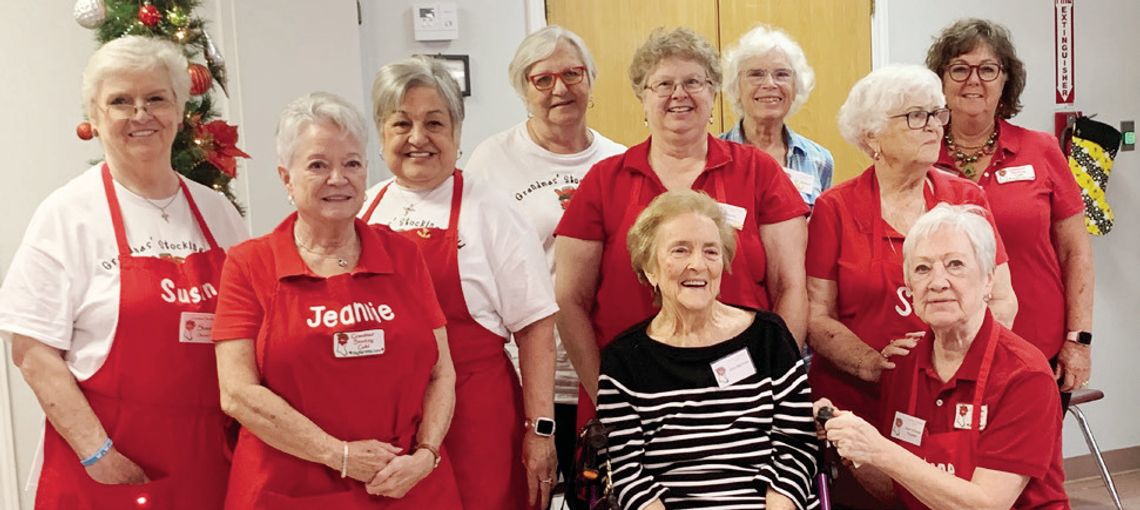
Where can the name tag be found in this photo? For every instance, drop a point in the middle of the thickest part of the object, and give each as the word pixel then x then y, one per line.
pixel 733 368
pixel 908 428
pixel 1015 174
pixel 964 416
pixel 357 344
pixel 733 215
pixel 804 182
pixel 195 328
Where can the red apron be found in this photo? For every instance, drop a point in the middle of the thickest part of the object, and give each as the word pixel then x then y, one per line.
pixel 485 438
pixel 955 451
pixel 376 396
pixel 156 396
pixel 886 312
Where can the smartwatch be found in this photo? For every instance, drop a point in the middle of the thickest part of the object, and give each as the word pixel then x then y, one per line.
pixel 543 427
pixel 1080 337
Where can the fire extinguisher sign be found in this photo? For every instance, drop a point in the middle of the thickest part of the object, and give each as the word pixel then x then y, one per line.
pixel 1063 44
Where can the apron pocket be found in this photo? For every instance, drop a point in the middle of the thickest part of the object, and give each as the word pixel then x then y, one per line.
pixel 156 493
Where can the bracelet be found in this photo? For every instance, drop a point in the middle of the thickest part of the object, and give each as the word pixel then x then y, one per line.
pixel 344 461
pixel 102 452
pixel 434 453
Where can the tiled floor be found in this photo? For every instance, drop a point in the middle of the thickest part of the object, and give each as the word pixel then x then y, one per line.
pixel 1086 494
pixel 1090 494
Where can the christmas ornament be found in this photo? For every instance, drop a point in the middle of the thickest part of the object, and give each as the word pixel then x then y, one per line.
pixel 149 15
pixel 177 17
pixel 219 140
pixel 200 79
pixel 90 13
pixel 215 60
pixel 180 35
pixel 84 131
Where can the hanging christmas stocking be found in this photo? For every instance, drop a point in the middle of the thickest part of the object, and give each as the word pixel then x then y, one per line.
pixel 1094 145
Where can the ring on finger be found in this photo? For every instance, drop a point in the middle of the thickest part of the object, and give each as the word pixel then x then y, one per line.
pixel 548 481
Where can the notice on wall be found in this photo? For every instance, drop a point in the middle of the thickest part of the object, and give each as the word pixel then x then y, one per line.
pixel 1063 46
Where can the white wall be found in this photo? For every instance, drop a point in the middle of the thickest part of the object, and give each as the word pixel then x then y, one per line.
pixel 1107 80
pixel 489 32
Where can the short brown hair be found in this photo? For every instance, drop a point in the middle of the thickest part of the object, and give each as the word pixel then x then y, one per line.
pixel 963 37
pixel 642 238
pixel 681 43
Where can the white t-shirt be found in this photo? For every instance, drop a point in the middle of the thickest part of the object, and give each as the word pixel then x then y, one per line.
pixel 63 286
pixel 539 183
pixel 501 269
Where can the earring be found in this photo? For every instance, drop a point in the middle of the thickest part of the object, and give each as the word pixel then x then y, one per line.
pixel 987 298
pixel 710 120
pixel 645 121
pixel 291 202
pixel 875 156
pixel 591 103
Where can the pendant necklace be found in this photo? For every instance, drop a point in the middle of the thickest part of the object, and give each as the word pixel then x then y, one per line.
pixel 966 161
pixel 162 208
pixel 340 261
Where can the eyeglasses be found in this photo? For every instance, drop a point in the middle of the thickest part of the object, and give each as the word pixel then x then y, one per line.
pixel 919 119
pixel 691 85
pixel 569 76
pixel 123 108
pixel 962 72
pixel 782 76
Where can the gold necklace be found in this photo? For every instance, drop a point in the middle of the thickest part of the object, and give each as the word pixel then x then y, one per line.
pixel 340 261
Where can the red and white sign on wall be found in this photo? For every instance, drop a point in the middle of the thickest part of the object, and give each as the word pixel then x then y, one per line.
pixel 1063 45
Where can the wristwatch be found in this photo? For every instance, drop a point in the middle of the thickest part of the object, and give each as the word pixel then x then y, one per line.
pixel 541 426
pixel 1080 337
pixel 436 457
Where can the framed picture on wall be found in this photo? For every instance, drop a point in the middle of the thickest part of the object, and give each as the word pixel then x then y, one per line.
pixel 460 68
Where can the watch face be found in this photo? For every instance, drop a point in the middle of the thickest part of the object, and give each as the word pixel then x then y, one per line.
pixel 544 426
pixel 1084 337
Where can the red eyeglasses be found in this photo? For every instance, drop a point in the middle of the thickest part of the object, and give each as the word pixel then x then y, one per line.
pixel 569 76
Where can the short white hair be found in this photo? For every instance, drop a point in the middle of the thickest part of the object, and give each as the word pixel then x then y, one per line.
pixel 136 53
pixel 394 80
pixel 313 108
pixel 540 45
pixel 885 90
pixel 968 219
pixel 759 41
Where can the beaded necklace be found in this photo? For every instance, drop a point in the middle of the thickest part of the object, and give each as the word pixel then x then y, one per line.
pixel 966 161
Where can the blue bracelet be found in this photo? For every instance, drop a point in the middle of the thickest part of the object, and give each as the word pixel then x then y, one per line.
pixel 89 461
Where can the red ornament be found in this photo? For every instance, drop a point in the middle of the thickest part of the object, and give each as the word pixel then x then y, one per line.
pixel 149 15
pixel 84 131
pixel 200 79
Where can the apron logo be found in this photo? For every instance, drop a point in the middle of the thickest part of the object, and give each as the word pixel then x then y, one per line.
pixel 424 233
pixel 349 314
pixel 192 296
pixel 564 195
pixel 904 307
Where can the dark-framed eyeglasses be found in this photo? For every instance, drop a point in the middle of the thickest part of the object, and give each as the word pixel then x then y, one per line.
pixel 569 76
pixel 918 119
pixel 961 72
pixel 690 85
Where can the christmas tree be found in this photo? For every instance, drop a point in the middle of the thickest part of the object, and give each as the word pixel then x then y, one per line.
pixel 205 148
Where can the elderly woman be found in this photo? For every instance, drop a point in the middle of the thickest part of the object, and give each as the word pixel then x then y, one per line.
pixel 115 266
pixel 973 413
pixel 331 348
pixel 700 369
pixel 1036 201
pixel 539 163
pixel 488 270
pixel 767 79
pixel 861 313
pixel 675 75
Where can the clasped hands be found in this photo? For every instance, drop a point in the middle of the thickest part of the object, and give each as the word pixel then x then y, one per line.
pixel 385 470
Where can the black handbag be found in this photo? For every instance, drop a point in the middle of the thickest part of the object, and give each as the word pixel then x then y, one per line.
pixel 594 485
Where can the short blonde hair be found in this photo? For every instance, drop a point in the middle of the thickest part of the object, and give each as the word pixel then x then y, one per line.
pixel 642 238
pixel 136 53
pixel 759 41
pixel 680 43
pixel 883 90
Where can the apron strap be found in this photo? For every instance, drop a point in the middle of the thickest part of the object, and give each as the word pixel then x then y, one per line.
pixel 117 213
pixel 376 202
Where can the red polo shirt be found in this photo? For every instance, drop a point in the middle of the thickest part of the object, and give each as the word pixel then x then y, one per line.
pixel 1026 205
pixel 1021 433
pixel 604 208
pixel 872 299
pixel 254 270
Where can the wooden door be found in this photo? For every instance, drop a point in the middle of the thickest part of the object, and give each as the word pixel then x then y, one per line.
pixel 836 38
pixel 613 30
pixel 835 35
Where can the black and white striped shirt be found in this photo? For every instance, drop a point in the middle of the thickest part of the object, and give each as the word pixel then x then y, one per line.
pixel 679 437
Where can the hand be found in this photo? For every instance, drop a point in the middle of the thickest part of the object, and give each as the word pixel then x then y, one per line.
pixel 855 439
pixel 401 474
pixel 872 365
pixel 656 505
pixel 115 469
pixel 365 458
pixel 820 433
pixel 541 461
pixel 1074 364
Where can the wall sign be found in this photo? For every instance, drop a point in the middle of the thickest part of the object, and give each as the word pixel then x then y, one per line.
pixel 1063 46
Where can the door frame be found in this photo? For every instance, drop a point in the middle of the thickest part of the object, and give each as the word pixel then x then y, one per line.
pixel 9 477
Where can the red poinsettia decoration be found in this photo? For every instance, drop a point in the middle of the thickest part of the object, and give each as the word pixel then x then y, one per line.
pixel 218 141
